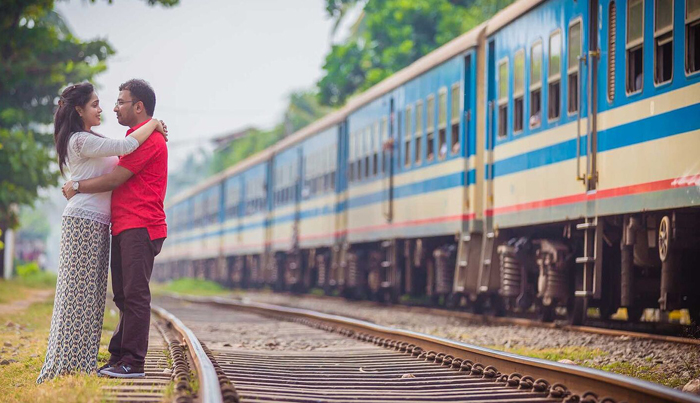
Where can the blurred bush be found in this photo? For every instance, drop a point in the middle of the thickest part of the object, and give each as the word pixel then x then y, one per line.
pixel 30 275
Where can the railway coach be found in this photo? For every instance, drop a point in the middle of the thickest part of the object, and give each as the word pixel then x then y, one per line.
pixel 545 161
pixel 593 117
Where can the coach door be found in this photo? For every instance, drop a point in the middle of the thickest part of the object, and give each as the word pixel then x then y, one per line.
pixel 582 82
pixel 590 278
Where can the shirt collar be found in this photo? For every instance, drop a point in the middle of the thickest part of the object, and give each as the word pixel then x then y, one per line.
pixel 133 129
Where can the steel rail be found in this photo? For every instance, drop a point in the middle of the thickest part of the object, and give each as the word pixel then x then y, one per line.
pixel 209 388
pixel 578 379
pixel 505 320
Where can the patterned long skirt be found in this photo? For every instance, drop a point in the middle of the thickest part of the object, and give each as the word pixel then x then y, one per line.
pixel 79 306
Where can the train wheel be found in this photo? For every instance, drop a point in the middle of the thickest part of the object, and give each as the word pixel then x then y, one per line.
pixel 498 306
pixel 477 306
pixel 634 313
pixel 547 313
pixel 452 300
pixel 578 311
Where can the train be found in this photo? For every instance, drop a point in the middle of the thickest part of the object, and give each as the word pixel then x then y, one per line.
pixel 547 162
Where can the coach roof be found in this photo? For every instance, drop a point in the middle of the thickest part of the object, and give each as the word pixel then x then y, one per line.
pixel 508 14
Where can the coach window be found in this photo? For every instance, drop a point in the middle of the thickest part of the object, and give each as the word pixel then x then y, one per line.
pixel 306 189
pixel 288 172
pixel 407 129
pixel 455 107
pixel 211 208
pixel 263 194
pixel 430 129
pixel 503 98
pixel 360 155
pixel 635 45
pixel 418 133
pixel 275 193
pixel 442 123
pixel 536 84
pixel 574 52
pixel 278 193
pixel 663 41
pixel 382 140
pixel 692 39
pixel 518 90
pixel 351 159
pixel 247 199
pixel 612 39
pixel 554 76
pixel 376 140
pixel 232 200
pixel 318 171
pixel 327 172
pixel 331 174
pixel 198 211
pixel 321 175
pixel 322 179
pixel 368 149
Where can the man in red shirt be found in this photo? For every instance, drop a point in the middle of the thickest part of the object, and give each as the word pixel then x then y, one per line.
pixel 138 229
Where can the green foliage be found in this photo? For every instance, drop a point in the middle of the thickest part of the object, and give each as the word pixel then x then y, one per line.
pixel 25 165
pixel 303 109
pixel 394 34
pixel 29 275
pixel 38 57
pixel 165 3
pixel 346 70
pixel 255 141
pixel 28 270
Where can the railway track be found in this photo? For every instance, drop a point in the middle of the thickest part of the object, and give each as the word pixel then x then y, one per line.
pixel 600 329
pixel 178 368
pixel 272 353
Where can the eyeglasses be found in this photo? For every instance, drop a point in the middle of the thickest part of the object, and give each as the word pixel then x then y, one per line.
pixel 121 103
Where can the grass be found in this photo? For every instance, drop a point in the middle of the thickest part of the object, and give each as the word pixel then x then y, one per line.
pixel 318 292
pixel 190 286
pixel 651 373
pixel 576 354
pixel 583 356
pixel 18 288
pixel 28 339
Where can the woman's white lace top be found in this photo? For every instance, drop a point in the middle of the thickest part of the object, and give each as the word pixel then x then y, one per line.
pixel 90 156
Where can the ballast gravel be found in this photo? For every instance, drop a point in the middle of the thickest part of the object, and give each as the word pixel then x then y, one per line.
pixel 672 364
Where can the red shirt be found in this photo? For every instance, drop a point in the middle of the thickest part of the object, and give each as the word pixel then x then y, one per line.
pixel 138 202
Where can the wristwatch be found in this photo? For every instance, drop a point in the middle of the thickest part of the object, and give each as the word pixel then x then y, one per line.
pixel 76 185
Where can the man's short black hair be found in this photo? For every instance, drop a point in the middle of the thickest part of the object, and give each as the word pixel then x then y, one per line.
pixel 141 91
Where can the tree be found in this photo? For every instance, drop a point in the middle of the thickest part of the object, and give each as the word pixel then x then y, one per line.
pixel 303 109
pixel 38 57
pixel 394 34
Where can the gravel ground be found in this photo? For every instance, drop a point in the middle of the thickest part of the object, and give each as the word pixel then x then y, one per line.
pixel 671 364
pixel 222 328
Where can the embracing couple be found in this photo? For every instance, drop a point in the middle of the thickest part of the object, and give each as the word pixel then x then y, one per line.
pixel 121 181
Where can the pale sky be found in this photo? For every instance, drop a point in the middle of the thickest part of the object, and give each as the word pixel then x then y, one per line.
pixel 215 65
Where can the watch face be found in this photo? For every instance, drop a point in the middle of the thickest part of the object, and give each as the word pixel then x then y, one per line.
pixel 75 186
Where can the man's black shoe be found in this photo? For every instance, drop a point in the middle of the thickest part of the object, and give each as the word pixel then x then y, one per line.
pixel 122 370
pixel 105 366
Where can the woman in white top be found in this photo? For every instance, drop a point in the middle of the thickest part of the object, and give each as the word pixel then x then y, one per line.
pixel 76 324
